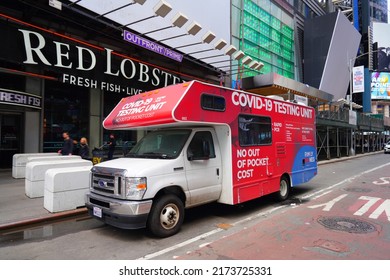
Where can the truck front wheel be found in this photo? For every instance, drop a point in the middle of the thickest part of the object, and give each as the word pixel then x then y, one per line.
pixel 166 216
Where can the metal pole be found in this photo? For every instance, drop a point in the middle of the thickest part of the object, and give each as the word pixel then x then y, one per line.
pixel 351 150
pixel 346 141
pixel 327 143
pixel 338 142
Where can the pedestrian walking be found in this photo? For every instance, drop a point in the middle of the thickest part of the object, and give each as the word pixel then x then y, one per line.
pixel 111 146
pixel 76 147
pixel 84 148
pixel 67 147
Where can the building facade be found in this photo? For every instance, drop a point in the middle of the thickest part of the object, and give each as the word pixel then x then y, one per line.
pixel 64 70
pixel 272 32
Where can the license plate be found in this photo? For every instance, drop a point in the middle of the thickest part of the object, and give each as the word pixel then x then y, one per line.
pixel 97 211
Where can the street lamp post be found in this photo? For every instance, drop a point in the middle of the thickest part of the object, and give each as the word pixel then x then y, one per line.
pixel 352 144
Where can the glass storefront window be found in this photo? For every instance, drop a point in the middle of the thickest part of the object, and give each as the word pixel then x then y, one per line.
pixel 10 137
pixel 66 110
pixel 125 139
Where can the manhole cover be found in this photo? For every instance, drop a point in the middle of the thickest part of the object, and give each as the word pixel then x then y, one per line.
pixel 346 224
pixel 358 190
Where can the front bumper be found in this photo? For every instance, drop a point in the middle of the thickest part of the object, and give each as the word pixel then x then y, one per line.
pixel 118 213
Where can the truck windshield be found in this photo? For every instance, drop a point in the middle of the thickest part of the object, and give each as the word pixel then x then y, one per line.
pixel 164 144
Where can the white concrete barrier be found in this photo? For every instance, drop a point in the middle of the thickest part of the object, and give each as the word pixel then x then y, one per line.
pixel 50 158
pixel 35 174
pixel 19 162
pixel 22 172
pixel 65 188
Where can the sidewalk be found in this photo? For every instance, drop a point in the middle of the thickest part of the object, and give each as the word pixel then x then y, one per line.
pixel 16 209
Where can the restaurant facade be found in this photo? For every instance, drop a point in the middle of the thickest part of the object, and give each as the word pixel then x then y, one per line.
pixel 64 71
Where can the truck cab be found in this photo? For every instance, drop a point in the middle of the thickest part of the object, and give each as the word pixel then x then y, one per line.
pixel 168 170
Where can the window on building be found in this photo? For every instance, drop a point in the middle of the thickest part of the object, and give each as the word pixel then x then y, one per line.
pixel 125 139
pixel 254 130
pixel 66 109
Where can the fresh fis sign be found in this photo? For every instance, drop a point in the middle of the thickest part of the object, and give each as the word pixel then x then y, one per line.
pixel 11 97
pixel 79 63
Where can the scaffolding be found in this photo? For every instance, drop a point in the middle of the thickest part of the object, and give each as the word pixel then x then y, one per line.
pixel 334 131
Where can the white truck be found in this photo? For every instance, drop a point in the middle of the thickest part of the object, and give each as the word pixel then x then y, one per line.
pixel 205 143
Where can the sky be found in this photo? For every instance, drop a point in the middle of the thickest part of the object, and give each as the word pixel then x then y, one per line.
pixel 212 15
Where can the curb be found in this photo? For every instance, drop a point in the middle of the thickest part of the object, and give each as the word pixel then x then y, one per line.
pixel 38 220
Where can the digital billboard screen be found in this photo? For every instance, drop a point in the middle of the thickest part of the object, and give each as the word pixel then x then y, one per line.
pixel 381 35
pixel 380 85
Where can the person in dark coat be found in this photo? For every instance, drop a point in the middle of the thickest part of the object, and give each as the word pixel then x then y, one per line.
pixel 67 147
pixel 111 146
pixel 84 148
pixel 76 147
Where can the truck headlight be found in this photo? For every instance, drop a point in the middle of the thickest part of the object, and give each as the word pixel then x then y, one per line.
pixel 135 188
pixel 90 181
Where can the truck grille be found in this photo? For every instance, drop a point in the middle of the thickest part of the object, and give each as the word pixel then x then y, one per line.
pixel 104 183
pixel 107 182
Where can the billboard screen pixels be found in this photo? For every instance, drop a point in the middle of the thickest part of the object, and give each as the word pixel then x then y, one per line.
pixel 380 85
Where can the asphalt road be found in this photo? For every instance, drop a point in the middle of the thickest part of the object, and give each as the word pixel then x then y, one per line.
pixel 343 213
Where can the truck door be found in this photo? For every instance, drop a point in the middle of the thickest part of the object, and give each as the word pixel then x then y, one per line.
pixel 203 168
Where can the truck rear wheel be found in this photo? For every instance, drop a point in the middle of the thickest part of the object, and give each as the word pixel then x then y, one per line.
pixel 166 216
pixel 284 188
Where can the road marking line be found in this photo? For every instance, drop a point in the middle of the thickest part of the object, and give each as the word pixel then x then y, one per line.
pixel 320 195
pixel 371 201
pixel 384 181
pixel 383 208
pixel 177 246
pixel 328 205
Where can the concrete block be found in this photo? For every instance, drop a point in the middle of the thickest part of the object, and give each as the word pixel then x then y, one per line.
pixel 64 201
pixel 65 188
pixel 18 172
pixel 21 159
pixel 35 174
pixel 34 189
pixel 19 162
pixel 50 158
